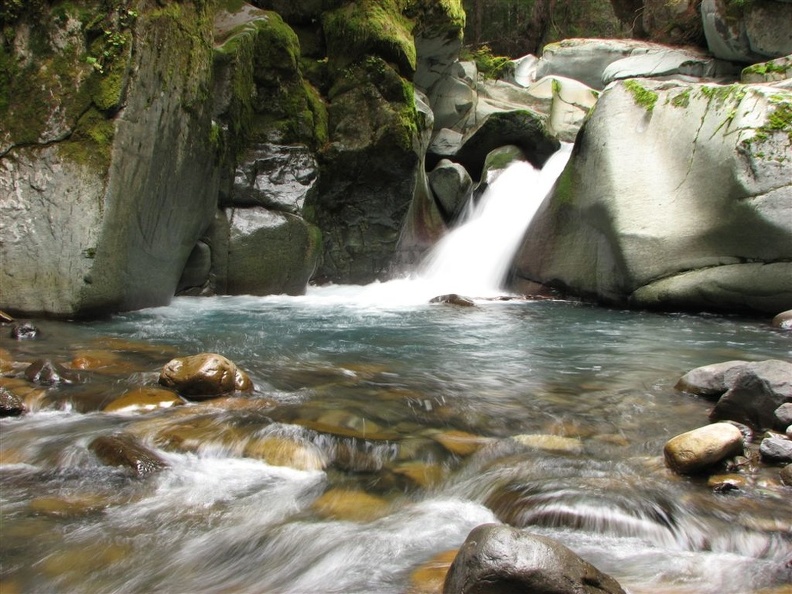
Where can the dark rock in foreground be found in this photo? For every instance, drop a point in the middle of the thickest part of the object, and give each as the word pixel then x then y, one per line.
pixel 499 559
pixel 125 450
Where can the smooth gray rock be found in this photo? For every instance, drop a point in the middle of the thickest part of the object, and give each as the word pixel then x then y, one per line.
pixel 750 33
pixel 270 252
pixel 783 320
pixel 496 559
pixel 776 449
pixel 452 186
pixel 783 414
pixel 698 450
pixel 677 196
pixel 710 380
pixel 685 64
pixel 278 177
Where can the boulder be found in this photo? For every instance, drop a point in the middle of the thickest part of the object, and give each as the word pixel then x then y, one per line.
pixel 453 299
pixel 747 32
pixel 677 21
pixel 755 393
pixel 783 414
pixel 783 320
pixel 767 72
pixel 567 103
pixel 776 449
pixel 46 372
pixel 500 559
pixel 707 227
pixel 205 375
pixel 696 451
pixel 195 275
pixel 277 177
pixel 711 381
pixel 452 186
pixel 270 252
pixel 786 475
pixel 10 404
pixel 143 400
pixel 680 63
pixel 95 150
pixel 125 450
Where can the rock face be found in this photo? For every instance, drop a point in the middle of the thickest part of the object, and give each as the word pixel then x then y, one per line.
pixel 91 221
pixel 747 31
pixel 707 225
pixel 501 559
pixel 702 448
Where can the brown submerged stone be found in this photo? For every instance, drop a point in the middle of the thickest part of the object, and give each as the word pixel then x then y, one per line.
pixel 350 505
pixel 460 443
pixel 125 450
pixel 281 451
pixel 205 375
pixel 429 577
pixel 143 400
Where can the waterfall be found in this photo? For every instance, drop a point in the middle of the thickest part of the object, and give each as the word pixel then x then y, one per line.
pixel 475 257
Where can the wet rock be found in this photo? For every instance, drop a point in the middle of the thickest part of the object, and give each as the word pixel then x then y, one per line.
pixel 776 449
pixel 46 372
pixel 346 424
pixel 451 185
pixel 429 577
pixel 783 414
pixel 349 505
pixel 460 443
pixel 143 400
pixel 10 404
pixel 205 375
pixel 24 331
pixel 5 318
pixel 282 451
pixel 550 443
pixel 786 475
pixel 757 391
pixel 421 474
pixel 105 361
pixel 710 381
pixel 783 320
pixel 722 483
pixel 453 299
pixel 501 559
pixel 125 450
pixel 700 449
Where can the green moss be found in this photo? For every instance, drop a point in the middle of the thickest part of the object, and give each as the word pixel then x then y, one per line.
pixel 91 142
pixel 368 27
pixel 488 65
pixel 641 95
pixel 766 68
pixel 565 189
pixel 681 99
pixel 723 93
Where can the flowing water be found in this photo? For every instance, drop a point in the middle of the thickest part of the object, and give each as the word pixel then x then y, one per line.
pixel 382 429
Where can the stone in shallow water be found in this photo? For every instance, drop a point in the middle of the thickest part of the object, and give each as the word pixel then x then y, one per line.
pixel 453 299
pixel 125 450
pixel 697 450
pixel 776 449
pixel 421 474
pixel 354 506
pixel 460 443
pixel 47 372
pixel 143 400
pixel 786 475
pixel 429 577
pixel 346 424
pixel 281 451
pixel 551 443
pixel 10 404
pixel 205 375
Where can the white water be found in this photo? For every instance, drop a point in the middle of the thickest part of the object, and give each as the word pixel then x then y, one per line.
pixel 474 259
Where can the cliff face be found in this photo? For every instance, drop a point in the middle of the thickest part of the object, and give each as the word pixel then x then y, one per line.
pixel 108 174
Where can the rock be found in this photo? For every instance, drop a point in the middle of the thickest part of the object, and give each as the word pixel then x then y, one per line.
pixel 767 72
pixel 498 558
pixel 347 424
pixel 776 449
pixel 722 483
pixel 710 381
pixel 143 400
pixel 45 372
pixel 460 443
pixel 270 252
pixel 277 177
pixel 650 238
pixel 24 331
pixel 453 299
pixel 452 186
pixel 747 32
pixel 281 451
pixel 424 475
pixel 74 176
pixel 786 475
pixel 567 103
pixel 676 22
pixel 550 443
pixel 428 578
pixel 755 393
pixel 682 63
pixel 351 506
pixel 205 375
pixel 10 404
pixel 783 320
pixel 195 275
pixel 5 318
pixel 783 414
pixel 697 450
pixel 123 449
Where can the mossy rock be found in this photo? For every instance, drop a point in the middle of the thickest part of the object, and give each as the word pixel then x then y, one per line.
pixel 370 27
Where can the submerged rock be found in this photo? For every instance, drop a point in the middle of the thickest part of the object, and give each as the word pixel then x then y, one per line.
pixel 125 450
pixel 205 375
pixel 776 448
pixel 783 320
pixel 697 450
pixel 43 371
pixel 502 559
pixel 10 404
pixel 24 331
pixel 453 299
pixel 143 400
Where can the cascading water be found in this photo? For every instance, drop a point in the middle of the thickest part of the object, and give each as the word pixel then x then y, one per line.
pixel 474 258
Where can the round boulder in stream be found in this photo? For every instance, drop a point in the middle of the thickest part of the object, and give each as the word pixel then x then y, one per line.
pixel 496 559
pixel 697 450
pixel 205 375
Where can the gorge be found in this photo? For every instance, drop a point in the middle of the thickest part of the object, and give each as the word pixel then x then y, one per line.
pixel 288 185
